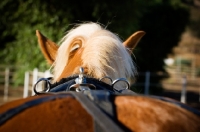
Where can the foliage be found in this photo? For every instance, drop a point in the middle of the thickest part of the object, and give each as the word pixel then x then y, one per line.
pixel 21 19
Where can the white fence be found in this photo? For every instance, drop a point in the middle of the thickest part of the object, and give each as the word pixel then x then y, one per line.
pixel 182 81
pixel 5 79
pixel 31 77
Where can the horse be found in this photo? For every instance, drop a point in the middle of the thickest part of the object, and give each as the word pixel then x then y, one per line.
pixel 91 50
pixel 98 51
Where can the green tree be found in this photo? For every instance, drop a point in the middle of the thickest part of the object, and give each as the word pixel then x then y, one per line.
pixel 18 25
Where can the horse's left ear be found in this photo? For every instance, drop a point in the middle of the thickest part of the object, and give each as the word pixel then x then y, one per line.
pixel 48 47
pixel 133 40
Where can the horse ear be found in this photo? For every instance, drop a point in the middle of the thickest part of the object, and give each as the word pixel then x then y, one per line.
pixel 133 40
pixel 48 48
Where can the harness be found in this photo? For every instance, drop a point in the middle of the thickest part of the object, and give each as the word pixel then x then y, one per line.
pixel 97 90
pixel 96 96
pixel 81 83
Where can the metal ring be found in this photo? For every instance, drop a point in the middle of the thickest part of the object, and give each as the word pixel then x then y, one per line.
pixel 106 77
pixel 40 92
pixel 121 79
pixel 74 87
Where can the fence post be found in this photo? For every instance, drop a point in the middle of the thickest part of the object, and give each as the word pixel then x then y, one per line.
pixel 7 75
pixel 179 65
pixel 35 77
pixel 183 91
pixel 199 94
pixel 47 74
pixel 147 82
pixel 26 85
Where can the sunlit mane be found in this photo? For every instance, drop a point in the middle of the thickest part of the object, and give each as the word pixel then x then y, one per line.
pixel 103 54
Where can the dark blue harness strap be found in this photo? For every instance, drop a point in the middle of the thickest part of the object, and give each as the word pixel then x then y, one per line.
pixel 65 84
pixel 14 111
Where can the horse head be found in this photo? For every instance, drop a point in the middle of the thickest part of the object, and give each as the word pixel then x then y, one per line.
pixel 89 45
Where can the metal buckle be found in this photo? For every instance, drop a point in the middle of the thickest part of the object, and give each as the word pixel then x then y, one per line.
pixel 81 84
pixel 82 87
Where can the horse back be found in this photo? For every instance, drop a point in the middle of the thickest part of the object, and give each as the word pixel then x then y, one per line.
pixel 97 112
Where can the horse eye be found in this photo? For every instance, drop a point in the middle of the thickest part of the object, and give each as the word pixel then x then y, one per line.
pixel 75 47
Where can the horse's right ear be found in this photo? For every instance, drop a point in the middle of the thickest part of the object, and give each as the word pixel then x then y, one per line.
pixel 133 40
pixel 48 47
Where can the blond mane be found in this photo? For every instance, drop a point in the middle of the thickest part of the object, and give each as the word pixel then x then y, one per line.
pixel 103 54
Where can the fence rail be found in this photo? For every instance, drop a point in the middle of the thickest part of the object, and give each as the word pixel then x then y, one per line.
pixel 179 81
pixel 5 78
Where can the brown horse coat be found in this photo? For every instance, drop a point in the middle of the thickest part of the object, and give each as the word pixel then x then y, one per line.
pixel 136 113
